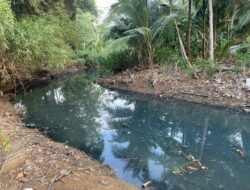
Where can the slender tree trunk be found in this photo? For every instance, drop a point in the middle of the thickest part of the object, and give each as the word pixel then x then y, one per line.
pixel 188 35
pixel 215 30
pixel 150 56
pixel 204 30
pixel 211 31
pixel 228 28
pixel 183 51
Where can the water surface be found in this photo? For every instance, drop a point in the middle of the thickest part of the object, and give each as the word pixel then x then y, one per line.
pixel 144 139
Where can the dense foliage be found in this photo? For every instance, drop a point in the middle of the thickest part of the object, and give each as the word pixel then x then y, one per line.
pixel 45 35
pixel 52 34
pixel 178 31
pixel 6 23
pixel 55 7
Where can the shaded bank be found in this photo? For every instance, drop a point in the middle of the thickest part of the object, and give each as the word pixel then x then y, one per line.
pixel 44 77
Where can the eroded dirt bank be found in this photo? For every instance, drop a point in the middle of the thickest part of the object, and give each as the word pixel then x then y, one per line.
pixel 39 163
pixel 224 89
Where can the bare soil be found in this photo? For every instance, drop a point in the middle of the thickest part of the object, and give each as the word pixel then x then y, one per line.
pixel 39 163
pixel 223 89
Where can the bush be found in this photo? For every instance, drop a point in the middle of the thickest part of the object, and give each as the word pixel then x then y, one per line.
pixel 39 44
pixel 201 65
pixel 6 23
pixel 163 56
pixel 119 60
pixel 243 57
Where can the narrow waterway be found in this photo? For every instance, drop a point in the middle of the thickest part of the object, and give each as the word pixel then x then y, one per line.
pixel 144 139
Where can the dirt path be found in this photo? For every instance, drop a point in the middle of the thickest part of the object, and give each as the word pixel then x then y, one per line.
pixel 224 89
pixel 39 163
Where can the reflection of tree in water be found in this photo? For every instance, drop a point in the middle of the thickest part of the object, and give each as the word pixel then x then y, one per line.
pixel 68 109
pixel 158 133
pixel 164 132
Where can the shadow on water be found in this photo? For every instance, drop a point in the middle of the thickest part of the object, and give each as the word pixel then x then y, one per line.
pixel 144 139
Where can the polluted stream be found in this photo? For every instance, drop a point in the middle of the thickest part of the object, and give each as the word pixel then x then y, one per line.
pixel 170 144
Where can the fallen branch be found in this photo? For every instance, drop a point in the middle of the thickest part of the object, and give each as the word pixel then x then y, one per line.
pixel 195 94
pixel 63 174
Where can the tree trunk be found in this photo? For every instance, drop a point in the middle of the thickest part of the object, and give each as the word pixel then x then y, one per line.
pixel 150 56
pixel 183 51
pixel 188 35
pixel 211 31
pixel 204 30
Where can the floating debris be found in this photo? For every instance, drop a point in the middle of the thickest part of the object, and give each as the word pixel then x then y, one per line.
pixel 145 185
pixel 239 151
pixel 178 171
pixel 125 125
pixel 31 125
pixel 193 166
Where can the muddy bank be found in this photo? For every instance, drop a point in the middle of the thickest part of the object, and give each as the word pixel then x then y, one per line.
pixel 28 81
pixel 224 89
pixel 39 163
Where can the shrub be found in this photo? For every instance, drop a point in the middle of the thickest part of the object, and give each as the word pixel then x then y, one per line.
pixel 39 44
pixel 242 58
pixel 164 56
pixel 119 60
pixel 6 23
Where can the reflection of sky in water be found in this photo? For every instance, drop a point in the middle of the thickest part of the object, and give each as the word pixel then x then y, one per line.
pixel 144 139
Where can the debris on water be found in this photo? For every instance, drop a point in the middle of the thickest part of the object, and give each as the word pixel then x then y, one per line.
pixel 125 125
pixel 170 123
pixel 178 171
pixel 190 157
pixel 193 166
pixel 31 125
pixel 239 151
pixel 145 185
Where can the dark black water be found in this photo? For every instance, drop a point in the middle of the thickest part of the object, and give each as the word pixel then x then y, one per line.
pixel 143 139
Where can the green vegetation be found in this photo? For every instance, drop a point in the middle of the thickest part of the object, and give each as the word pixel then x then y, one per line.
pixel 44 35
pixel 4 142
pixel 6 23
pixel 53 34
pixel 177 32
pixel 39 44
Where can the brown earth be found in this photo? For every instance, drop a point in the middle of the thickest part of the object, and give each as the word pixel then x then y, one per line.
pixel 20 78
pixel 223 89
pixel 39 163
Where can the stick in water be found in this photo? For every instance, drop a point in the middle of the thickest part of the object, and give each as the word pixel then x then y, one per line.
pixel 146 184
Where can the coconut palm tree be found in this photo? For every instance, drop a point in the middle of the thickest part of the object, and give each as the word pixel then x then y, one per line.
pixel 189 27
pixel 133 22
pixel 140 24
